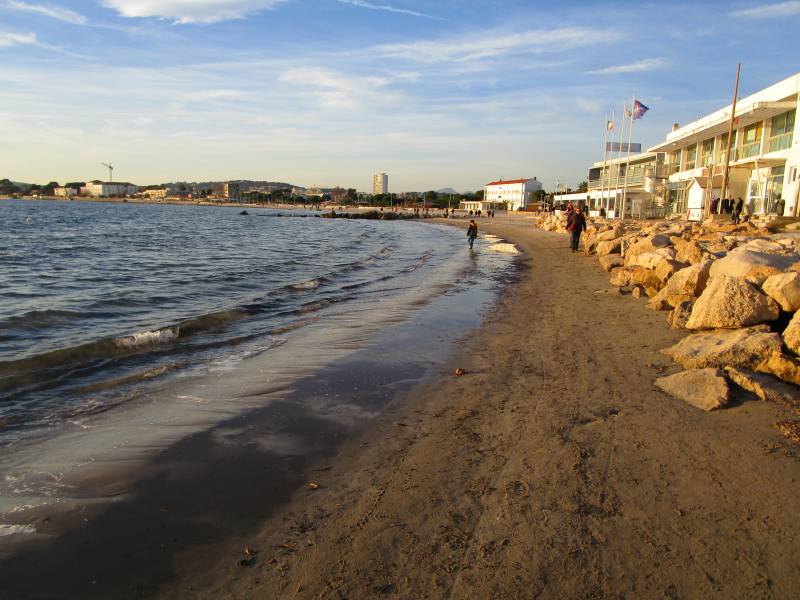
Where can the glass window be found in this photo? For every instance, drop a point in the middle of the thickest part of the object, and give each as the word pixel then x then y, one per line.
pixel 723 145
pixel 781 130
pixel 691 157
pixel 707 156
pixel 751 140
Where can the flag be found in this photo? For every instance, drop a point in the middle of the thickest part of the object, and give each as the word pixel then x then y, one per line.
pixel 639 109
pixel 609 125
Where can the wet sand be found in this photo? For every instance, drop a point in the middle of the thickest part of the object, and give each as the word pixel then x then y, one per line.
pixel 553 468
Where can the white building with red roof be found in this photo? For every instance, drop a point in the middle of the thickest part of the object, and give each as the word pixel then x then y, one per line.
pixel 511 194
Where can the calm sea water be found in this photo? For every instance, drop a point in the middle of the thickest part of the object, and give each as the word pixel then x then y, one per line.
pixel 118 318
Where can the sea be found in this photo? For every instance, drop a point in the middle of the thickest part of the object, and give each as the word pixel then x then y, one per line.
pixel 126 327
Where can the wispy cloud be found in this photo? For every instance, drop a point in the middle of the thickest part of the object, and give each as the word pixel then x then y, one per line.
pixel 388 8
pixel 48 10
pixel 337 90
pixel 497 43
pixel 8 38
pixel 187 11
pixel 770 11
pixel 646 64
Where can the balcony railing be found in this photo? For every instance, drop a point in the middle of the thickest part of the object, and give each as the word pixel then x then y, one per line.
pixel 748 150
pixel 633 180
pixel 780 142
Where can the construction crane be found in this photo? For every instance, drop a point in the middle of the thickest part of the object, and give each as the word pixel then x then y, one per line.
pixel 110 168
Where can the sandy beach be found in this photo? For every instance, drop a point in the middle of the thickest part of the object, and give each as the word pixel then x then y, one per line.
pixel 552 469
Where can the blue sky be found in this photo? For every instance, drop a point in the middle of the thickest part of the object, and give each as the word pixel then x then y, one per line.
pixel 326 92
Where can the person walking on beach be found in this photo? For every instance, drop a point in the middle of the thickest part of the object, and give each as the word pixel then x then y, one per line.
pixel 576 224
pixel 472 232
pixel 737 210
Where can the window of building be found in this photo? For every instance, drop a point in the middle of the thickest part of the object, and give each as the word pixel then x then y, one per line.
pixel 751 140
pixel 691 157
pixel 723 145
pixel 781 131
pixel 707 153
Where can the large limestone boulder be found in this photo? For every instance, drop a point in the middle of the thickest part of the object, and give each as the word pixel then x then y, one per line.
pixel 784 288
pixel 782 366
pixel 737 348
pixel 764 386
pixel 667 268
pixel 763 245
pixel 688 251
pixel 690 281
pixel 680 314
pixel 739 262
pixel 610 261
pixel 623 276
pixel 706 389
pixel 610 234
pixel 728 302
pixel 650 260
pixel 607 247
pixel 791 335
pixel 647 244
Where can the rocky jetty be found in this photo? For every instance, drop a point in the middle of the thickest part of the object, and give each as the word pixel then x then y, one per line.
pixel 736 287
pixel 373 215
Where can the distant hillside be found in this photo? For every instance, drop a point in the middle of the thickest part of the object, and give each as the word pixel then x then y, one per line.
pixel 447 190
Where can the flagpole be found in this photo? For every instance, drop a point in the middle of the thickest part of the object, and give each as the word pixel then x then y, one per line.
pixel 605 156
pixel 729 145
pixel 619 163
pixel 628 159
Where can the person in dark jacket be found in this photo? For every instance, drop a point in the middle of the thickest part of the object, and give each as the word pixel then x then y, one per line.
pixel 576 224
pixel 472 232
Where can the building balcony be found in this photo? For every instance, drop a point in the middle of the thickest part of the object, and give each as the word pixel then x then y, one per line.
pixel 780 142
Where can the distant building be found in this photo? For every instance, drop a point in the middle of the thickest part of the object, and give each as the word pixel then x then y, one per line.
pixel 639 179
pixel 231 190
pixel 512 194
pixel 155 194
pixel 66 191
pixel 380 183
pixel 108 189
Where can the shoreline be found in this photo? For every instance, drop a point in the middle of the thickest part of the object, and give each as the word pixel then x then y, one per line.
pixel 226 479
pixel 553 468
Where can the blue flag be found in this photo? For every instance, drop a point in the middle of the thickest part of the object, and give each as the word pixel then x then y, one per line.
pixel 639 109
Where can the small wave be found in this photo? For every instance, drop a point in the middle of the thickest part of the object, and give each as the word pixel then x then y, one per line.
pixel 147 338
pixel 311 284
pixel 420 261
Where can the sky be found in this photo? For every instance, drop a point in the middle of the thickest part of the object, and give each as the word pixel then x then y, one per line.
pixel 451 93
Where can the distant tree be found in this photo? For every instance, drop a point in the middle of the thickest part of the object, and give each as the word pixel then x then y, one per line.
pixel 583 186
pixel 352 195
pixel 430 197
pixel 8 187
pixel 479 195
pixel 74 184
pixel 49 189
pixel 182 187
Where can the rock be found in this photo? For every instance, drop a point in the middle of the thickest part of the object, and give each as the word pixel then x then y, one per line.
pixel 658 302
pixel 667 268
pixel 689 252
pixel 637 292
pixel 680 314
pixel 622 276
pixel 706 389
pixel 736 348
pixel 791 335
pixel 758 275
pixel 784 288
pixel 763 245
pixel 610 261
pixel 742 261
pixel 764 386
pixel 608 247
pixel 610 234
pixel 728 302
pixel 690 281
pixel 782 366
pixel 647 244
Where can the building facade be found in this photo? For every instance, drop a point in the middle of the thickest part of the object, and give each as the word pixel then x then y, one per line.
pixel 380 183
pixel 108 189
pixel 231 190
pixel 65 191
pixel 625 186
pixel 154 194
pixel 764 155
pixel 513 194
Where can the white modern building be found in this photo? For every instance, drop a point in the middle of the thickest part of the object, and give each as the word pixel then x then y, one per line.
pixel 512 194
pixel 380 183
pixel 108 189
pixel 155 194
pixel 764 155
pixel 635 184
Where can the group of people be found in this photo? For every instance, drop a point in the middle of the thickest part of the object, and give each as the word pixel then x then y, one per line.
pixel 478 213
pixel 729 206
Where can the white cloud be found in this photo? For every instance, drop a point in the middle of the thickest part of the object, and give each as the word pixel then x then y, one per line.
pixel 8 38
pixel 646 64
pixel 387 8
pixel 48 10
pixel 770 11
pixel 336 90
pixel 496 43
pixel 190 11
